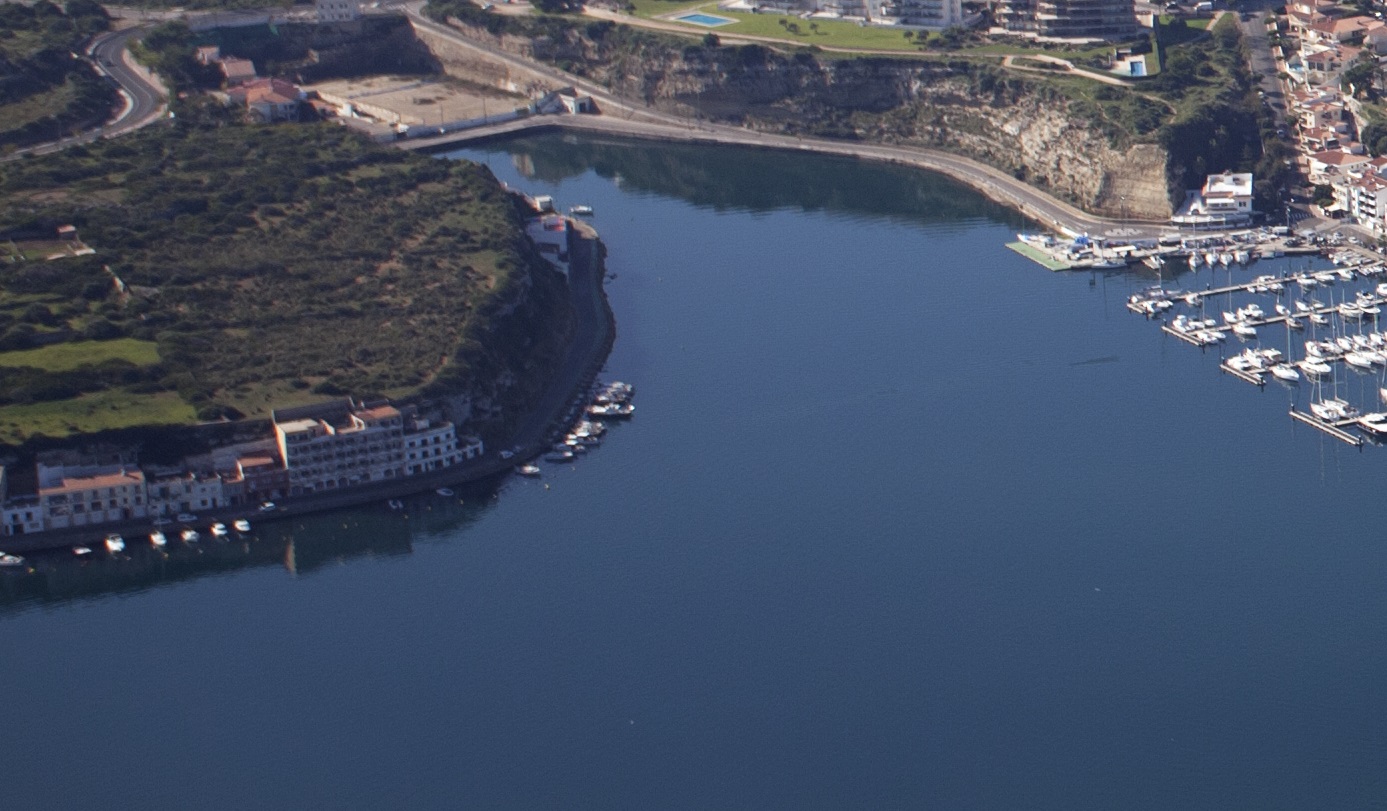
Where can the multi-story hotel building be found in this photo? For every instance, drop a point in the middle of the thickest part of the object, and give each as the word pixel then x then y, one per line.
pixel 364 445
pixel 1070 19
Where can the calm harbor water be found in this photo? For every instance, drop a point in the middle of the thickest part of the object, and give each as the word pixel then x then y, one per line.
pixel 903 521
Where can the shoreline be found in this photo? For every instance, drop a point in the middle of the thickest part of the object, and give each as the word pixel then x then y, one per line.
pixel 992 183
pixel 594 336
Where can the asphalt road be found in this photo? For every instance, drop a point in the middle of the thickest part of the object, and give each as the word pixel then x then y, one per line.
pixel 143 102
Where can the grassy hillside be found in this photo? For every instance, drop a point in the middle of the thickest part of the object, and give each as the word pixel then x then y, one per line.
pixel 44 92
pixel 240 269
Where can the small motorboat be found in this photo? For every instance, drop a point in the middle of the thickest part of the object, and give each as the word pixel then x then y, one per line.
pixel 187 518
pixel 580 211
pixel 528 470
pixel 395 504
pixel 115 543
pixel 219 530
pixel 8 561
pixel 82 551
pixel 559 456
pixel 444 491
pixel 190 535
pixel 241 525
pixel 158 539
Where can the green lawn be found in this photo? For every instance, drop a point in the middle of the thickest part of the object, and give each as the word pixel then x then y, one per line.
pixel 93 412
pixel 68 356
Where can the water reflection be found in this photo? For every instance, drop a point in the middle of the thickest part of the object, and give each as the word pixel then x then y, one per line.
pixel 300 545
pixel 727 178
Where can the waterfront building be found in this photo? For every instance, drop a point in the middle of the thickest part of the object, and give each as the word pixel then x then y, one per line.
pixel 68 500
pixel 1225 199
pixel 343 444
pixel 186 492
pixel 1070 19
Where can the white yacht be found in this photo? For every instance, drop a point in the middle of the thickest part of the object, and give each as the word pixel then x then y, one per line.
pixel 1244 331
pixel 1357 360
pixel 1333 409
pixel 1374 424
pixel 1315 368
pixel 1285 372
pixel 1242 257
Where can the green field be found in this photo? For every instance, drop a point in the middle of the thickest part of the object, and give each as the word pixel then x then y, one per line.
pixel 93 412
pixel 68 356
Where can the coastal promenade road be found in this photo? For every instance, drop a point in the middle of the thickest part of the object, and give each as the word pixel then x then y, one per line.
pixel 622 117
pixel 992 183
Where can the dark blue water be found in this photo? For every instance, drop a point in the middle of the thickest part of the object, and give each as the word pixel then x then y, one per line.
pixel 903 521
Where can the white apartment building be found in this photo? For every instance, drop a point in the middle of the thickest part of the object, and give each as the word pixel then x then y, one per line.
pixel 90 498
pixel 186 493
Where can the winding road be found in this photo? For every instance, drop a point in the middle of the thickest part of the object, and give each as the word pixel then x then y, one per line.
pixel 144 101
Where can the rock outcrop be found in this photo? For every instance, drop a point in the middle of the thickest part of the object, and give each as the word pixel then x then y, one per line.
pixel 1001 117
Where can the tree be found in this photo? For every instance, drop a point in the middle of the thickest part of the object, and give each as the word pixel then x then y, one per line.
pixel 1358 77
pixel 710 40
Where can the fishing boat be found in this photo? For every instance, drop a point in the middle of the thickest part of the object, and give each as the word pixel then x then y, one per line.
pixel 158 539
pixel 115 543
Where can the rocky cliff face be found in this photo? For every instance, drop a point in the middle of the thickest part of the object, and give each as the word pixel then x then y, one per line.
pixel 983 111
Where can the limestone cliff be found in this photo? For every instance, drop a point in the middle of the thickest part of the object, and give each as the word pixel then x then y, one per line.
pixel 1011 121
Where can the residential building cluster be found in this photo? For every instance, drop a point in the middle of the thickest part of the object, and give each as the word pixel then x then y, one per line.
pixel 1318 44
pixel 264 99
pixel 315 449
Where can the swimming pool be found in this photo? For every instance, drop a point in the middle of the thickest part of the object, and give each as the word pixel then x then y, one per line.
pixel 707 20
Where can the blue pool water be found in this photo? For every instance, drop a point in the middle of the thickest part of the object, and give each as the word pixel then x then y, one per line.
pixel 704 19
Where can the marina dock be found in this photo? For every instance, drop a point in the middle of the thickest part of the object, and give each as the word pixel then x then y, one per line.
pixel 1340 335
pixel 1334 429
